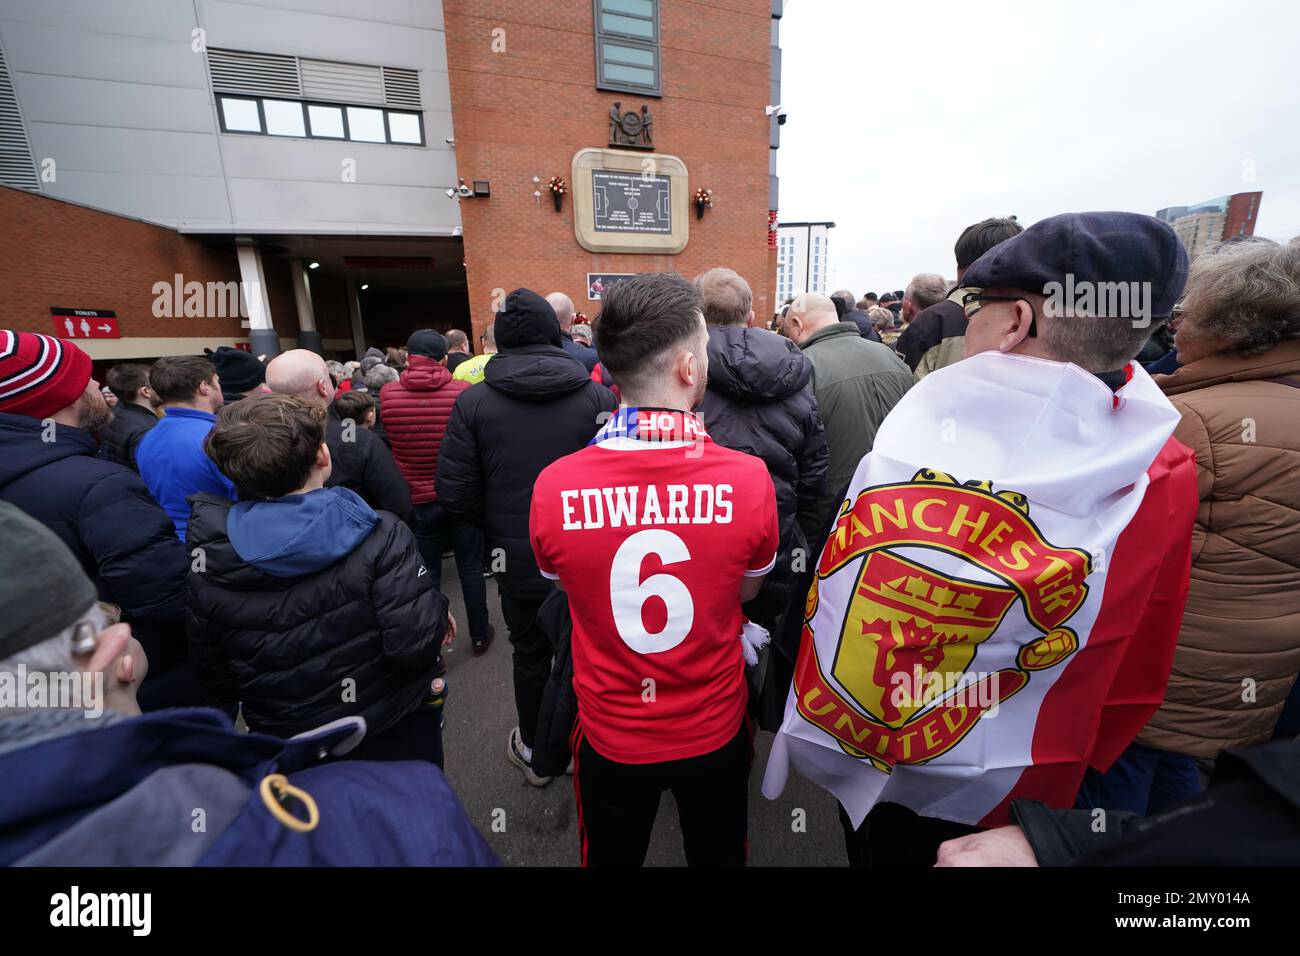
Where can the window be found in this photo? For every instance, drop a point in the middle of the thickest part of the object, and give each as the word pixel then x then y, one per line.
pixel 240 116
pixel 404 128
pixel 284 118
pixel 270 116
pixel 326 121
pixel 627 45
pixel 366 125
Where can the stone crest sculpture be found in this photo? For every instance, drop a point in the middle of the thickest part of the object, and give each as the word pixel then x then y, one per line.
pixel 630 130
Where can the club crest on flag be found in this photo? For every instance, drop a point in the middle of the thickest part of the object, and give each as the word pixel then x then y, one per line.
pixel 906 687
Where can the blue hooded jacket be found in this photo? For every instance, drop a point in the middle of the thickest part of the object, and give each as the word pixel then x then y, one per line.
pixel 299 534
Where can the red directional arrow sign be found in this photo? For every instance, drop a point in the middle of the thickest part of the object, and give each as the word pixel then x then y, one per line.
pixel 85 323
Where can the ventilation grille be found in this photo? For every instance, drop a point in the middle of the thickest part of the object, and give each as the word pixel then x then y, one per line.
pixel 342 82
pixel 254 74
pixel 401 87
pixel 270 74
pixel 16 166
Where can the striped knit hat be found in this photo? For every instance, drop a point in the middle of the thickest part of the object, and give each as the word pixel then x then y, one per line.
pixel 39 375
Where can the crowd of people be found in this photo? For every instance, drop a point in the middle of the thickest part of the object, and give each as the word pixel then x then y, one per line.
pixel 246 557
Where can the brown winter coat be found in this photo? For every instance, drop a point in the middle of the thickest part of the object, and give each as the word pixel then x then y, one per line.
pixel 1241 632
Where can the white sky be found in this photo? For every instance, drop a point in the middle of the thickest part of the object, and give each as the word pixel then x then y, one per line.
pixel 911 119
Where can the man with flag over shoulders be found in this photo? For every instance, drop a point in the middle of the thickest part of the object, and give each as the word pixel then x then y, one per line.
pixel 658 535
pixel 997 605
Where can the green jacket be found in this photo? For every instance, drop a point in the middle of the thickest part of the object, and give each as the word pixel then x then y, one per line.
pixel 856 383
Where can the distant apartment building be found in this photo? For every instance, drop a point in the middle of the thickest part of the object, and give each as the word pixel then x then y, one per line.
pixel 802 250
pixel 1204 225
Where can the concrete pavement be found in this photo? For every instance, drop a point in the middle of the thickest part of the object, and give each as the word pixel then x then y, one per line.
pixel 538 827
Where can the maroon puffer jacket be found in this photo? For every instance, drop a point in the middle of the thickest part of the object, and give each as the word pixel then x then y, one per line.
pixel 417 408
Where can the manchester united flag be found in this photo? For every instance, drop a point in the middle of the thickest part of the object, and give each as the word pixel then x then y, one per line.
pixel 997 605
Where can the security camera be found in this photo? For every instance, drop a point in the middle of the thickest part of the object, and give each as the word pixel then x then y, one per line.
pixel 769 110
pixel 464 191
pixel 451 193
pixel 450 141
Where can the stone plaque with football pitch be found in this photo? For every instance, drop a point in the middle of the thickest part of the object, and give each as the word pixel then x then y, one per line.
pixel 627 202
pixel 631 202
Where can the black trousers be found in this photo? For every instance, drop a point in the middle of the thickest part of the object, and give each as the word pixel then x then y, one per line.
pixel 618 802
pixel 893 835
pixel 434 530
pixel 531 659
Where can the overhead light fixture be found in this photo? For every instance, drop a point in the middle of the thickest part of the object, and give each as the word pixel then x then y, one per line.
pixel 313 265
pixel 365 286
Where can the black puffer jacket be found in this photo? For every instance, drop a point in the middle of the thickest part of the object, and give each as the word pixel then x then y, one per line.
pixel 283 645
pixel 363 463
pixel 119 439
pixel 535 405
pixel 758 402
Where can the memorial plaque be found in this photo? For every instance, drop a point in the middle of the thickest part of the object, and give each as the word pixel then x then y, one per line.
pixel 632 202
pixel 620 207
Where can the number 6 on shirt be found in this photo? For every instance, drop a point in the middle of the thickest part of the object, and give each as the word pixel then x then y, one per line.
pixel 628 593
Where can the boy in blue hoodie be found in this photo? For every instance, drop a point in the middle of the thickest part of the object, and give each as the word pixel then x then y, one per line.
pixel 305 604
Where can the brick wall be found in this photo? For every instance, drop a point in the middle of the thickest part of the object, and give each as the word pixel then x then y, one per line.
pixel 60 254
pixel 525 112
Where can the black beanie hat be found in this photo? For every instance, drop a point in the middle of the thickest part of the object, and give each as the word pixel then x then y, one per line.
pixel 239 371
pixel 526 319
pixel 43 589
pixel 428 343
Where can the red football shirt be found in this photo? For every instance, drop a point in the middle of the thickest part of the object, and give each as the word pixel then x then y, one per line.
pixel 651 535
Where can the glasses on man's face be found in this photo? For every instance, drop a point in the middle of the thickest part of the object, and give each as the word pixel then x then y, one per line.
pixel 972 300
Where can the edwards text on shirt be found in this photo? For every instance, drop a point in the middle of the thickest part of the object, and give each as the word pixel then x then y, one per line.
pixel 633 506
